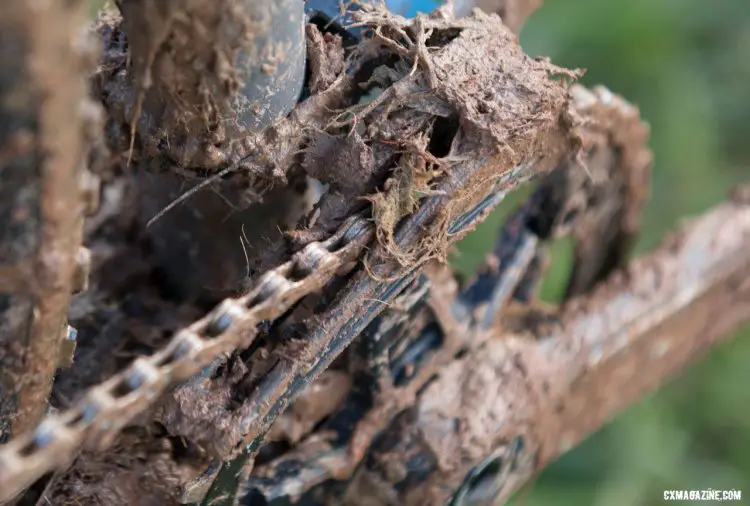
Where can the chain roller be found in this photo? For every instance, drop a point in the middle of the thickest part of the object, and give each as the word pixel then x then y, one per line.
pixel 105 409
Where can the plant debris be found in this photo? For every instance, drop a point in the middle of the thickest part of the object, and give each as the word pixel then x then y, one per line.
pixel 451 92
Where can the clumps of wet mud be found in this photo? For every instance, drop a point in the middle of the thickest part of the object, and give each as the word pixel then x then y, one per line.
pixel 325 58
pixel 447 92
pixel 384 122
pixel 177 103
pixel 433 67
pixel 618 187
pixel 373 127
pixel 452 91
pixel 140 468
pixel 200 409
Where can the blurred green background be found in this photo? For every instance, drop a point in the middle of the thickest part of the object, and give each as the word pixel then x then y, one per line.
pixel 686 64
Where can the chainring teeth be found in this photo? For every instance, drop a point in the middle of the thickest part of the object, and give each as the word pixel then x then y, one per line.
pixel 222 331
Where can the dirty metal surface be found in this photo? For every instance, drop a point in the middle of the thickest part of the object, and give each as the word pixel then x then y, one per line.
pixel 463 398
pixel 107 408
pixel 478 179
pixel 432 321
pixel 44 194
pixel 488 421
pixel 553 386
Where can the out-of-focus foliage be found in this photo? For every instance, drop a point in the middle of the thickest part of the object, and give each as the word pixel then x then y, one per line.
pixel 686 64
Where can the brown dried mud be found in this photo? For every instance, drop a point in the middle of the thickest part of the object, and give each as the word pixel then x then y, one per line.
pixel 550 390
pixel 507 109
pixel 446 93
pixel 454 92
pixel 45 124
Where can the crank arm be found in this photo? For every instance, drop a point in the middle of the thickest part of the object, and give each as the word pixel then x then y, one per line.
pixel 470 173
pixel 660 313
pixel 554 209
pixel 286 380
pixel 399 368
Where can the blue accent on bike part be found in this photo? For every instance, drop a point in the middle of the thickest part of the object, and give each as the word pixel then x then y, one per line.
pixel 410 8
pixel 330 10
pixel 406 8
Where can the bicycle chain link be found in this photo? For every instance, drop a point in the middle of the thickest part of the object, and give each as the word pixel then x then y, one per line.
pixel 105 409
pixel 48 196
pixel 471 311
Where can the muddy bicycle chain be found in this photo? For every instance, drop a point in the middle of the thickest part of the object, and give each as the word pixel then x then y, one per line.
pixel 431 324
pixel 107 408
pixel 395 357
pixel 49 184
